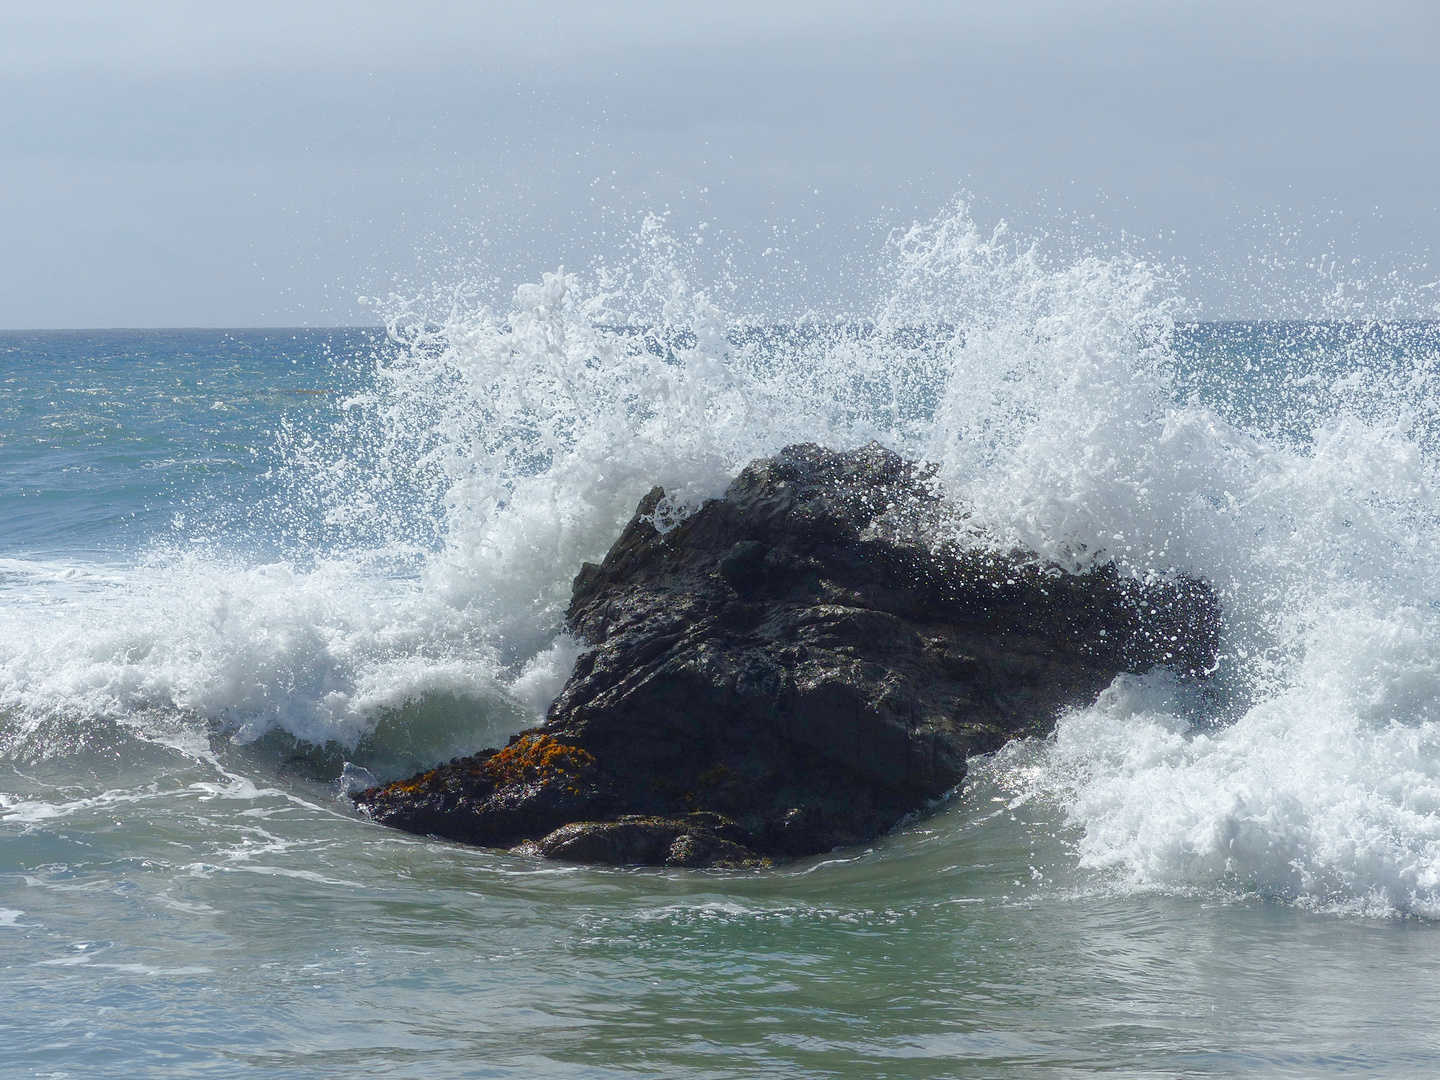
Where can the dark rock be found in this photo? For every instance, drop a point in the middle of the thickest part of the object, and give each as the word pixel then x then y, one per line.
pixel 497 797
pixel 801 668
pixel 696 840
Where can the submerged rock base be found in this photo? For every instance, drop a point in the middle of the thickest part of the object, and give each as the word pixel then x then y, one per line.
pixel 795 668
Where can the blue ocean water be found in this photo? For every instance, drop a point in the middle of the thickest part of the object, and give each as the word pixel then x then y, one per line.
pixel 243 570
pixel 108 435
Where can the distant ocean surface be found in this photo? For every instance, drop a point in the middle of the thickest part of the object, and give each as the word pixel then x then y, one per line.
pixel 243 571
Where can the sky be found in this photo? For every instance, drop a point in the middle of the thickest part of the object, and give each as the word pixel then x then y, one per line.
pixel 267 164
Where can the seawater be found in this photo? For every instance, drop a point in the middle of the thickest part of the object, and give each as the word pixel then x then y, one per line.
pixel 242 572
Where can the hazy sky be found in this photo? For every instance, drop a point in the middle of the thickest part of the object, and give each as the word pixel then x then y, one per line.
pixel 245 164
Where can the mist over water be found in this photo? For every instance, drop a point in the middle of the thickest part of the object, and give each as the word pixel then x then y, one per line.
pixel 234 566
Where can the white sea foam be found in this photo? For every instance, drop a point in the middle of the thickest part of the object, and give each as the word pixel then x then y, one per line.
pixel 498 449
pixel 319 651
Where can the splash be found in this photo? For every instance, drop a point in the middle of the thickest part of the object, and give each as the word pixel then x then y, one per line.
pixel 432 524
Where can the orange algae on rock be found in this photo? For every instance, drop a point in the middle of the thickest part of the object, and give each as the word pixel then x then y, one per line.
pixel 415 785
pixel 530 759
pixel 538 759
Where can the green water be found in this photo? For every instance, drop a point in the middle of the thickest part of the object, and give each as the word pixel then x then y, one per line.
pixel 199 914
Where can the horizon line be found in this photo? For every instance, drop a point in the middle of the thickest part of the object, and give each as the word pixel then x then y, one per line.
pixel 1180 323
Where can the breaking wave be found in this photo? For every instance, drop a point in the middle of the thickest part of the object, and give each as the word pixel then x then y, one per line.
pixel 433 520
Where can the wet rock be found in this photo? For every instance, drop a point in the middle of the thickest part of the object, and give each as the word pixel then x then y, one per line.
pixel 497 797
pixel 801 666
pixel 698 840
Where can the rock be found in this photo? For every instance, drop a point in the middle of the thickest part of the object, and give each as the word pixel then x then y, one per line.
pixel 696 840
pixel 795 668
pixel 534 785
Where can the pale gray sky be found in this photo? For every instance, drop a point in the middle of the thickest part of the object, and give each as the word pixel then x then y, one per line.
pixel 240 164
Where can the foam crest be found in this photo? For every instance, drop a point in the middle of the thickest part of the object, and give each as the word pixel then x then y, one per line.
pixel 1301 799
pixel 321 652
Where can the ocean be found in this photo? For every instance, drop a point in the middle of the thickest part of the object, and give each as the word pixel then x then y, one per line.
pixel 244 572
